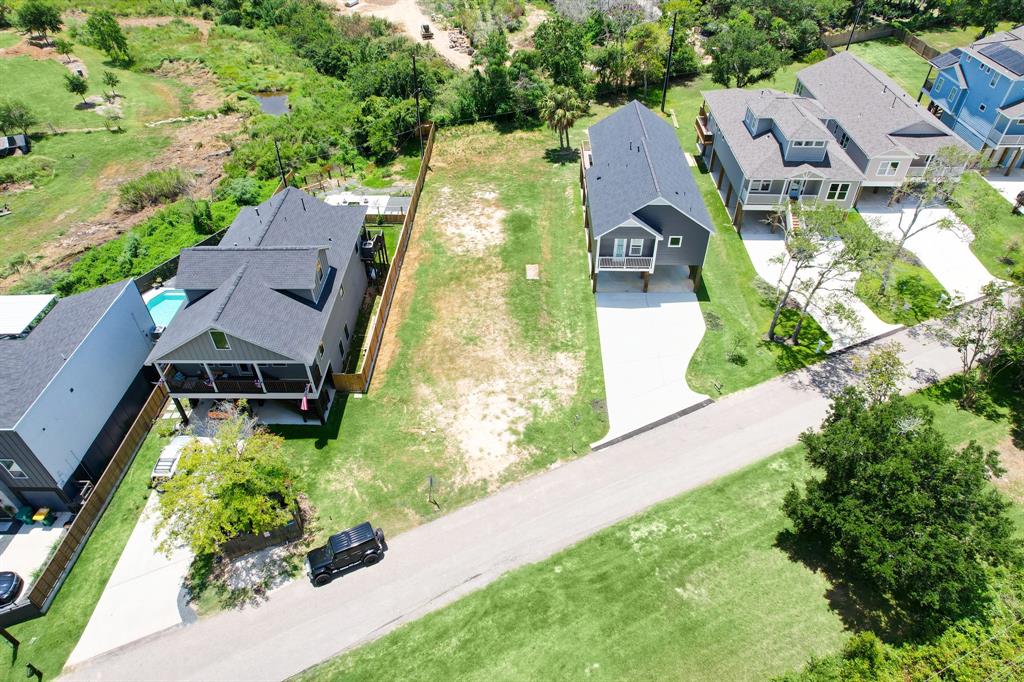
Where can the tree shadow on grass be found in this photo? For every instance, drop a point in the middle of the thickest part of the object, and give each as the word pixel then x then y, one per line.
pixel 562 156
pixel 323 434
pixel 858 604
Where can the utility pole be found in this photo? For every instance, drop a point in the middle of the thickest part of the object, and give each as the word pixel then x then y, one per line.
pixel 416 92
pixel 668 64
pixel 280 166
pixel 856 21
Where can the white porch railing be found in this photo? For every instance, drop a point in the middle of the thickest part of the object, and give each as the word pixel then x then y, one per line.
pixel 627 263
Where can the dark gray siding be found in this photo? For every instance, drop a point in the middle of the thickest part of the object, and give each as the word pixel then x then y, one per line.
pixel 672 223
pixel 201 349
pixel 628 233
pixel 345 312
pixel 13 447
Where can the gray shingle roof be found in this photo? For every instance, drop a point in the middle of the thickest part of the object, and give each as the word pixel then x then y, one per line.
pixel 872 108
pixel 29 363
pixel 761 157
pixel 637 159
pixel 267 250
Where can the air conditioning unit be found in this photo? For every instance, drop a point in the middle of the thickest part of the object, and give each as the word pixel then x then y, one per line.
pixel 158 331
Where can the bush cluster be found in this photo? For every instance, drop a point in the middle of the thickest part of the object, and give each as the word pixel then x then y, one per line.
pixel 155 187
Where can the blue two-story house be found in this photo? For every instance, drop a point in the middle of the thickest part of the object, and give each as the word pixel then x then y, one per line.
pixel 978 91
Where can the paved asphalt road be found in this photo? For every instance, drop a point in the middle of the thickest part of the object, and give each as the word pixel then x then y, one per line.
pixel 435 564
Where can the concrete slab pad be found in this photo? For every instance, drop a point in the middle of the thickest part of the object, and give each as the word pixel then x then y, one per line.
pixel 29 548
pixel 764 247
pixel 946 253
pixel 143 596
pixel 647 341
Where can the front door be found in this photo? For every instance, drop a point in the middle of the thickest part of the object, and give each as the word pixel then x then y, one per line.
pixel 796 187
pixel 620 249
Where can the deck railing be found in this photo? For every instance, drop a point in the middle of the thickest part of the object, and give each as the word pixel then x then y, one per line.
pixel 626 263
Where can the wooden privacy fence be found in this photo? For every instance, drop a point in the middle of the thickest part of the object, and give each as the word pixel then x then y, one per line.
pixel 838 40
pixel 359 382
pixel 46 586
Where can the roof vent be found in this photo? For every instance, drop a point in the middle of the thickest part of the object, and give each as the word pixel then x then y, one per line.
pixel 303 200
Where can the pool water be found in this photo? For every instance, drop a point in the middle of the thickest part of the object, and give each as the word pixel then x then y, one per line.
pixel 164 306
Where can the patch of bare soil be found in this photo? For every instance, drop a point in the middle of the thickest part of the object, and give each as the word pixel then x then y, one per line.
pixel 523 40
pixel 202 83
pixel 485 393
pixel 1012 459
pixel 43 51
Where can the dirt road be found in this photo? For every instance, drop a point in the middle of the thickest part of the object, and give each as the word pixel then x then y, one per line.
pixel 407 15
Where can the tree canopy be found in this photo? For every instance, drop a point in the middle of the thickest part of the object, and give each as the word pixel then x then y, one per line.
pixel 105 33
pixel 16 116
pixel 38 17
pixel 742 54
pixel 901 509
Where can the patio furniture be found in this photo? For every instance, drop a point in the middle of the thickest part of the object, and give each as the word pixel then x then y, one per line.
pixel 43 515
pixel 50 519
pixel 24 515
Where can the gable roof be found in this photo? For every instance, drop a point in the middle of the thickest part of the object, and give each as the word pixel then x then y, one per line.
pixel 873 109
pixel 760 157
pixel 637 160
pixel 268 252
pixel 28 363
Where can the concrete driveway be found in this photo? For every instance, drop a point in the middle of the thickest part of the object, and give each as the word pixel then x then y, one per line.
pixel 1007 185
pixel 143 596
pixel 946 253
pixel 763 247
pixel 647 341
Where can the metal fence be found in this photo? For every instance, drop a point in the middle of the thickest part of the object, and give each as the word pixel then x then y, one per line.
pixel 359 382
pixel 45 588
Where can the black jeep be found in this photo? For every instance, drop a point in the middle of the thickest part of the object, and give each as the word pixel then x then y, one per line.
pixel 359 546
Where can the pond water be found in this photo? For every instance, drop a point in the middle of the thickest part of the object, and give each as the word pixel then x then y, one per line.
pixel 273 103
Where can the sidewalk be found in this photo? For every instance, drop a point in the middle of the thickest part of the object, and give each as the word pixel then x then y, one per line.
pixel 435 564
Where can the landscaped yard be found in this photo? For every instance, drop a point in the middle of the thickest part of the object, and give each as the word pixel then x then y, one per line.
pixel 694 589
pixel 48 641
pixel 892 57
pixel 998 235
pixel 484 375
pixel 947 39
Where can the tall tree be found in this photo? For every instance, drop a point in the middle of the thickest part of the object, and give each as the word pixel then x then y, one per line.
pixel 562 45
pixel 932 190
pixel 39 18
pixel 76 85
pixel 241 482
pixel 105 33
pixel 974 330
pixel 5 13
pixel 496 78
pixel 743 54
pixel 111 80
pixel 901 509
pixel 881 371
pixel 646 45
pixel 15 115
pixel 560 109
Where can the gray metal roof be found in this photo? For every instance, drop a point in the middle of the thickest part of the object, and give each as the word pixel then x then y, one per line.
pixel 29 363
pixel 636 160
pixel 1013 111
pixel 873 110
pixel 269 249
pixel 761 157
pixel 947 58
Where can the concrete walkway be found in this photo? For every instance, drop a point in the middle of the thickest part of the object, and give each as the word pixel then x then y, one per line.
pixel 763 247
pixel 435 564
pixel 946 253
pixel 647 341
pixel 1007 185
pixel 143 596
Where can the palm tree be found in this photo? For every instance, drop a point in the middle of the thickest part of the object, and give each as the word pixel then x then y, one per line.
pixel 560 109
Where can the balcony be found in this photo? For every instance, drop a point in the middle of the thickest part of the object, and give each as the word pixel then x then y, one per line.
pixel 638 263
pixel 248 386
pixel 704 134
pixel 927 87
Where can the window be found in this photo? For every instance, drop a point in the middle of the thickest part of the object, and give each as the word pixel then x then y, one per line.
pixel 636 247
pixel 319 272
pixel 981 107
pixel 220 340
pixel 761 186
pixel 939 85
pixel 995 79
pixel 844 140
pixel 889 168
pixel 1019 122
pixel 279 364
pixel 819 143
pixel 675 242
pixel 320 352
pixel 341 348
pixel 749 119
pixel 346 331
pixel 12 468
pixel 953 92
pixel 838 191
pixel 968 58
pixel 341 290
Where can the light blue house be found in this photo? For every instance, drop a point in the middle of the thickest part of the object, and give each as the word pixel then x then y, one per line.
pixel 978 91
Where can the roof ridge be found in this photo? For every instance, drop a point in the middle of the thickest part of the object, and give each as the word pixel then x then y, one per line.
pixel 273 214
pixel 230 290
pixel 654 176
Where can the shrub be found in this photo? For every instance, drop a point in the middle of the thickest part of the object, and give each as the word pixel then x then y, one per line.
pixel 26 169
pixel 154 187
pixel 242 191
pixel 816 55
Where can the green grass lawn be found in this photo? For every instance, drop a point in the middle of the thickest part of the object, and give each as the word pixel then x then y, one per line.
pixel 892 57
pixel 9 38
pixel 998 235
pixel 694 589
pixel 48 641
pixel 947 39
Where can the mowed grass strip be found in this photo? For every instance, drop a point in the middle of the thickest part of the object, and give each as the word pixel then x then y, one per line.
pixel 694 589
pixel 998 233
pixel 946 39
pixel 48 641
pixel 892 57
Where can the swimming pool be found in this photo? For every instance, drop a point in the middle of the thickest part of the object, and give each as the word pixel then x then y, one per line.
pixel 164 306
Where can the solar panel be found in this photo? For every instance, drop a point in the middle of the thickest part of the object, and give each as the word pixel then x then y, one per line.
pixel 948 59
pixel 1006 57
